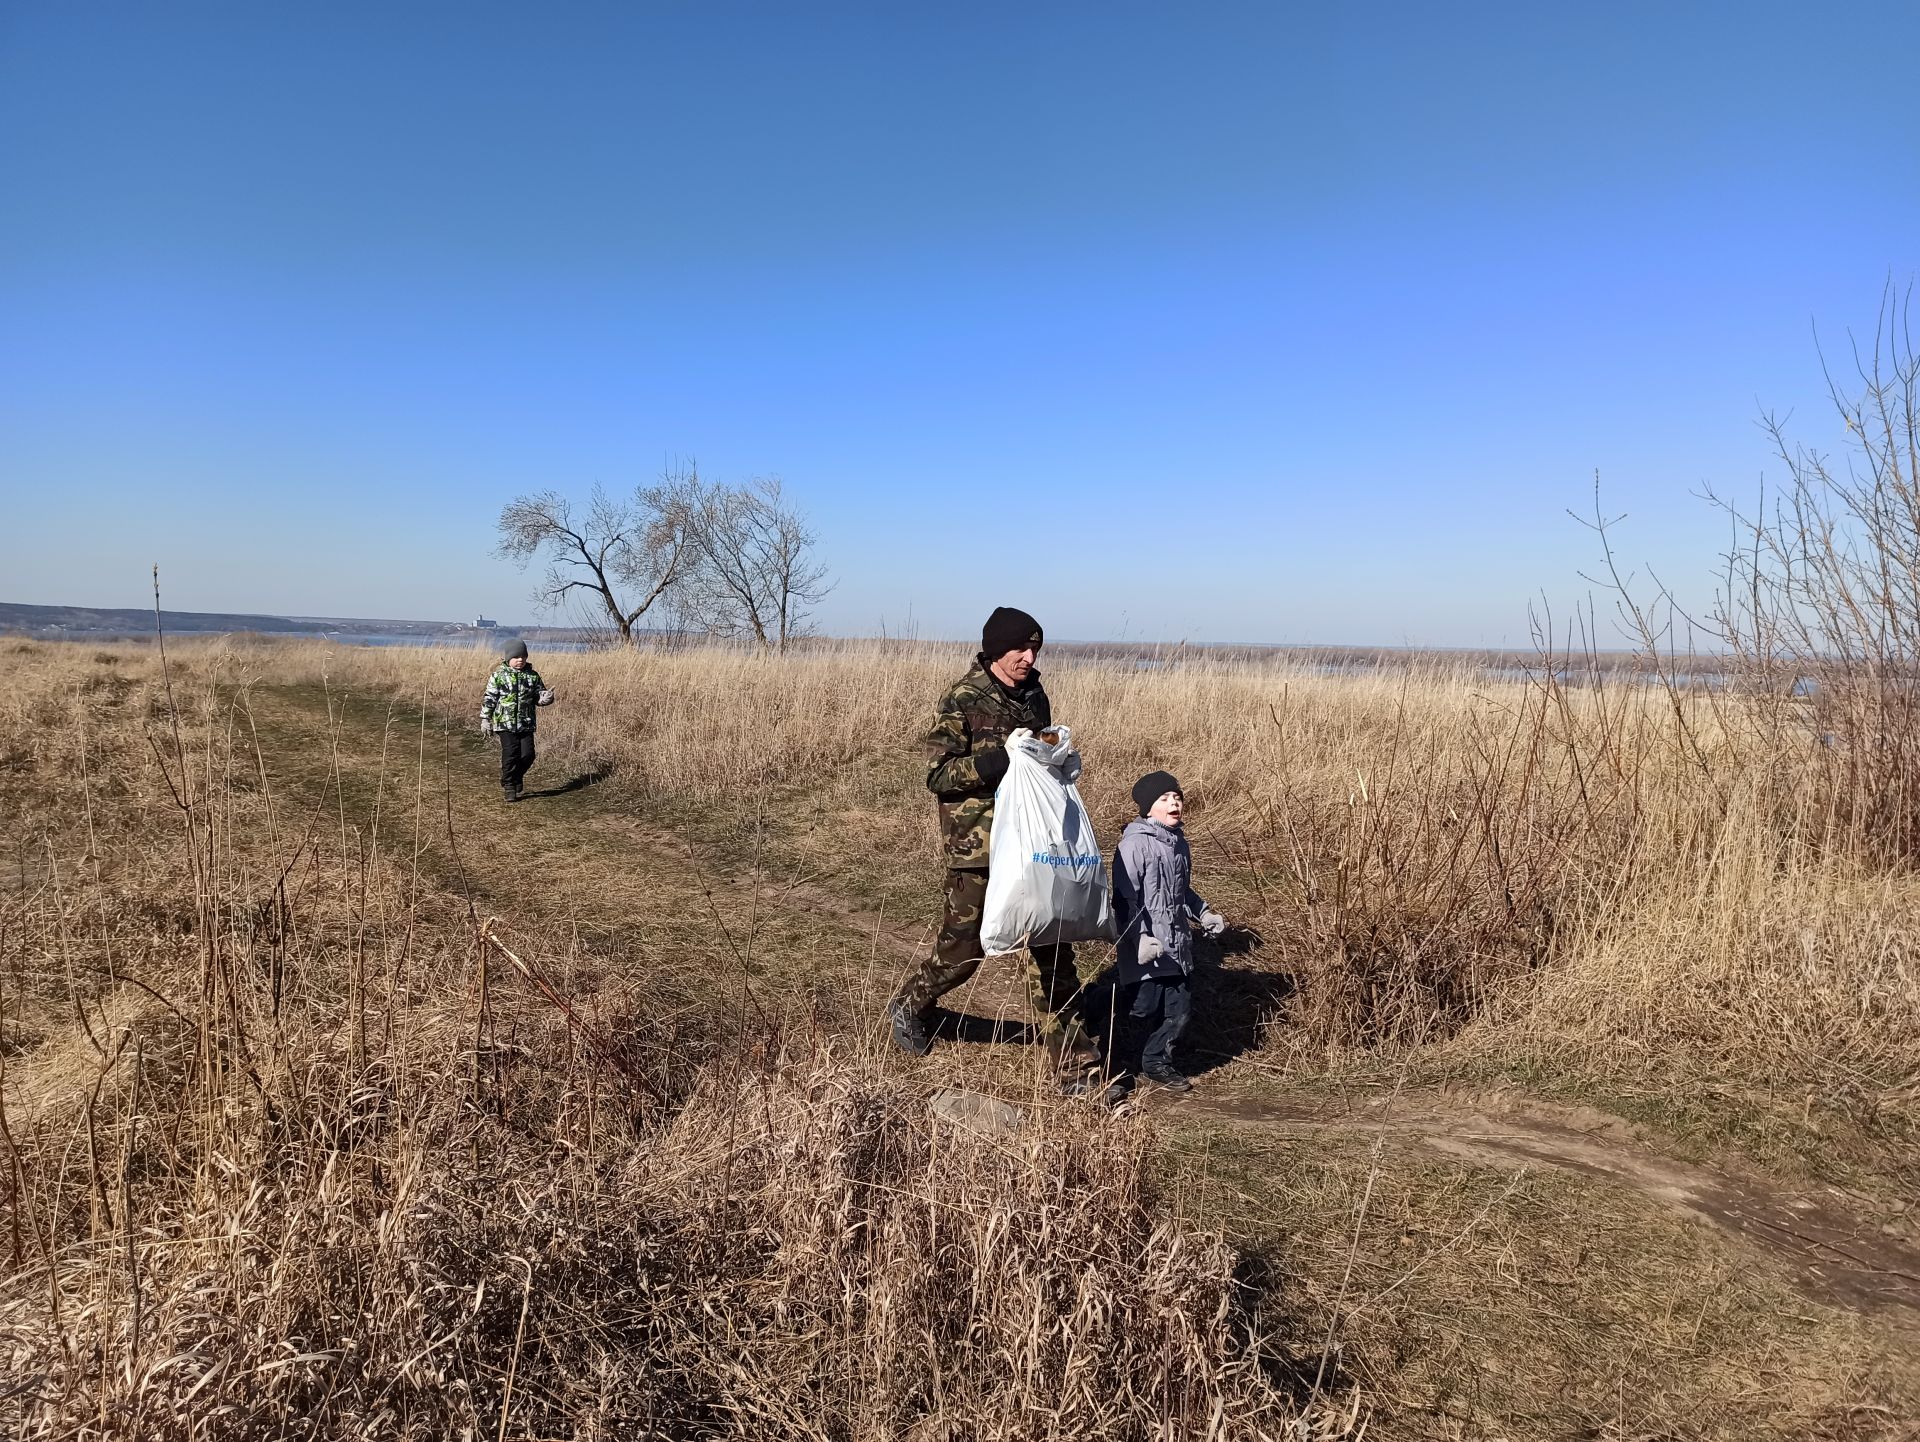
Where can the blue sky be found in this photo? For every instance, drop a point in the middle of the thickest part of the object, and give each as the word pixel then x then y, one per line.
pixel 1253 322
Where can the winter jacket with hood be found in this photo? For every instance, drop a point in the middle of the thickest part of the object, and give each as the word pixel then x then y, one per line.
pixel 1153 894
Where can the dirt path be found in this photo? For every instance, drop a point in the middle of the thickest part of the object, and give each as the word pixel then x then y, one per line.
pixel 566 856
pixel 615 871
pixel 1834 1254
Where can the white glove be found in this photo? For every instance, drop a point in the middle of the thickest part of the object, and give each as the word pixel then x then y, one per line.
pixel 545 698
pixel 486 728
pixel 1149 950
pixel 1065 758
pixel 1212 922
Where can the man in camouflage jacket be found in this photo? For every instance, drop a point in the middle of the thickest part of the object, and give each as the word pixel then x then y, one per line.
pixel 967 757
pixel 509 710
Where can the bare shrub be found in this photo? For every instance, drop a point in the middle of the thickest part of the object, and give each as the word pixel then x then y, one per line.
pixel 1822 598
pixel 1430 883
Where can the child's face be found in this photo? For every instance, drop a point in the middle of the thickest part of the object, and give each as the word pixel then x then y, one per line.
pixel 1168 809
pixel 519 663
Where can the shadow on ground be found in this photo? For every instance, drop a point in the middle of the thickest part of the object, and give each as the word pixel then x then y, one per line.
pixel 964 1026
pixel 1293 1363
pixel 1232 1005
pixel 572 784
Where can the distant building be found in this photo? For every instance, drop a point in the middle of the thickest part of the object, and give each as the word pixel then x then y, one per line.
pixel 481 623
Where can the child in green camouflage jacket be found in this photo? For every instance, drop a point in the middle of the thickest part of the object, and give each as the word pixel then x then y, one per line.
pixel 515 692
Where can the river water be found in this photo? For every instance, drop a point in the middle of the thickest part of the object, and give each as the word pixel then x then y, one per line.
pixel 465 641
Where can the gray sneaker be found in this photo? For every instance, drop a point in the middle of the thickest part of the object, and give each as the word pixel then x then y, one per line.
pixel 1166 1078
pixel 909 1029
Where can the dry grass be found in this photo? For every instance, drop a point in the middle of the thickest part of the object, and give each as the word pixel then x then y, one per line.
pixel 287 1159
pixel 295 1150
pixel 1603 874
pixel 1472 1302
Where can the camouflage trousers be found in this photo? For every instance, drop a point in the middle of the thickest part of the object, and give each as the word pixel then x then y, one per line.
pixel 1053 985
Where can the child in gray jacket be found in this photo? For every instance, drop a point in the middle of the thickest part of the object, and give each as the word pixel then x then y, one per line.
pixel 1156 909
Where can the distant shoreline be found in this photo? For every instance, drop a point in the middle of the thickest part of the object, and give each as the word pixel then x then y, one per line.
pixel 96 624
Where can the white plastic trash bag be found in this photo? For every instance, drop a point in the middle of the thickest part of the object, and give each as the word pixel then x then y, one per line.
pixel 1046 883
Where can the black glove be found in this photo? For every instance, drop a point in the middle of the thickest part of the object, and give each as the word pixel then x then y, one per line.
pixel 991 764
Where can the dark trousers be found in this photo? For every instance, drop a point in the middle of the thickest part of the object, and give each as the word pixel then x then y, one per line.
pixel 516 756
pixel 1157 1011
pixel 1053 985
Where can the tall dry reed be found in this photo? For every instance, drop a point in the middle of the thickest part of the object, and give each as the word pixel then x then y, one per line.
pixel 301 1146
pixel 1578 859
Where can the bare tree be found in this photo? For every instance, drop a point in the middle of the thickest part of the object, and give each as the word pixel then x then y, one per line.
pixel 756 574
pixel 621 556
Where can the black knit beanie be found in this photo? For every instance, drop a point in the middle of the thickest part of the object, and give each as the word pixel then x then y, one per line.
pixel 1151 787
pixel 1009 630
pixel 515 648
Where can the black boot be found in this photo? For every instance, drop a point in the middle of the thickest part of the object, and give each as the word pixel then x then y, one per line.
pixel 909 1029
pixel 1166 1078
pixel 509 791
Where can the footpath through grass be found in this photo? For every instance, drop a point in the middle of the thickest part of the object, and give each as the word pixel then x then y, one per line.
pixel 1473 1295
pixel 567 866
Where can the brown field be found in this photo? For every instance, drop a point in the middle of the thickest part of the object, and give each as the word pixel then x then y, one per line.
pixel 1565 1085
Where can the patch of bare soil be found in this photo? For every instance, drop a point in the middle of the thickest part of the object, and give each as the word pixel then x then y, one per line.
pixel 1831 1252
